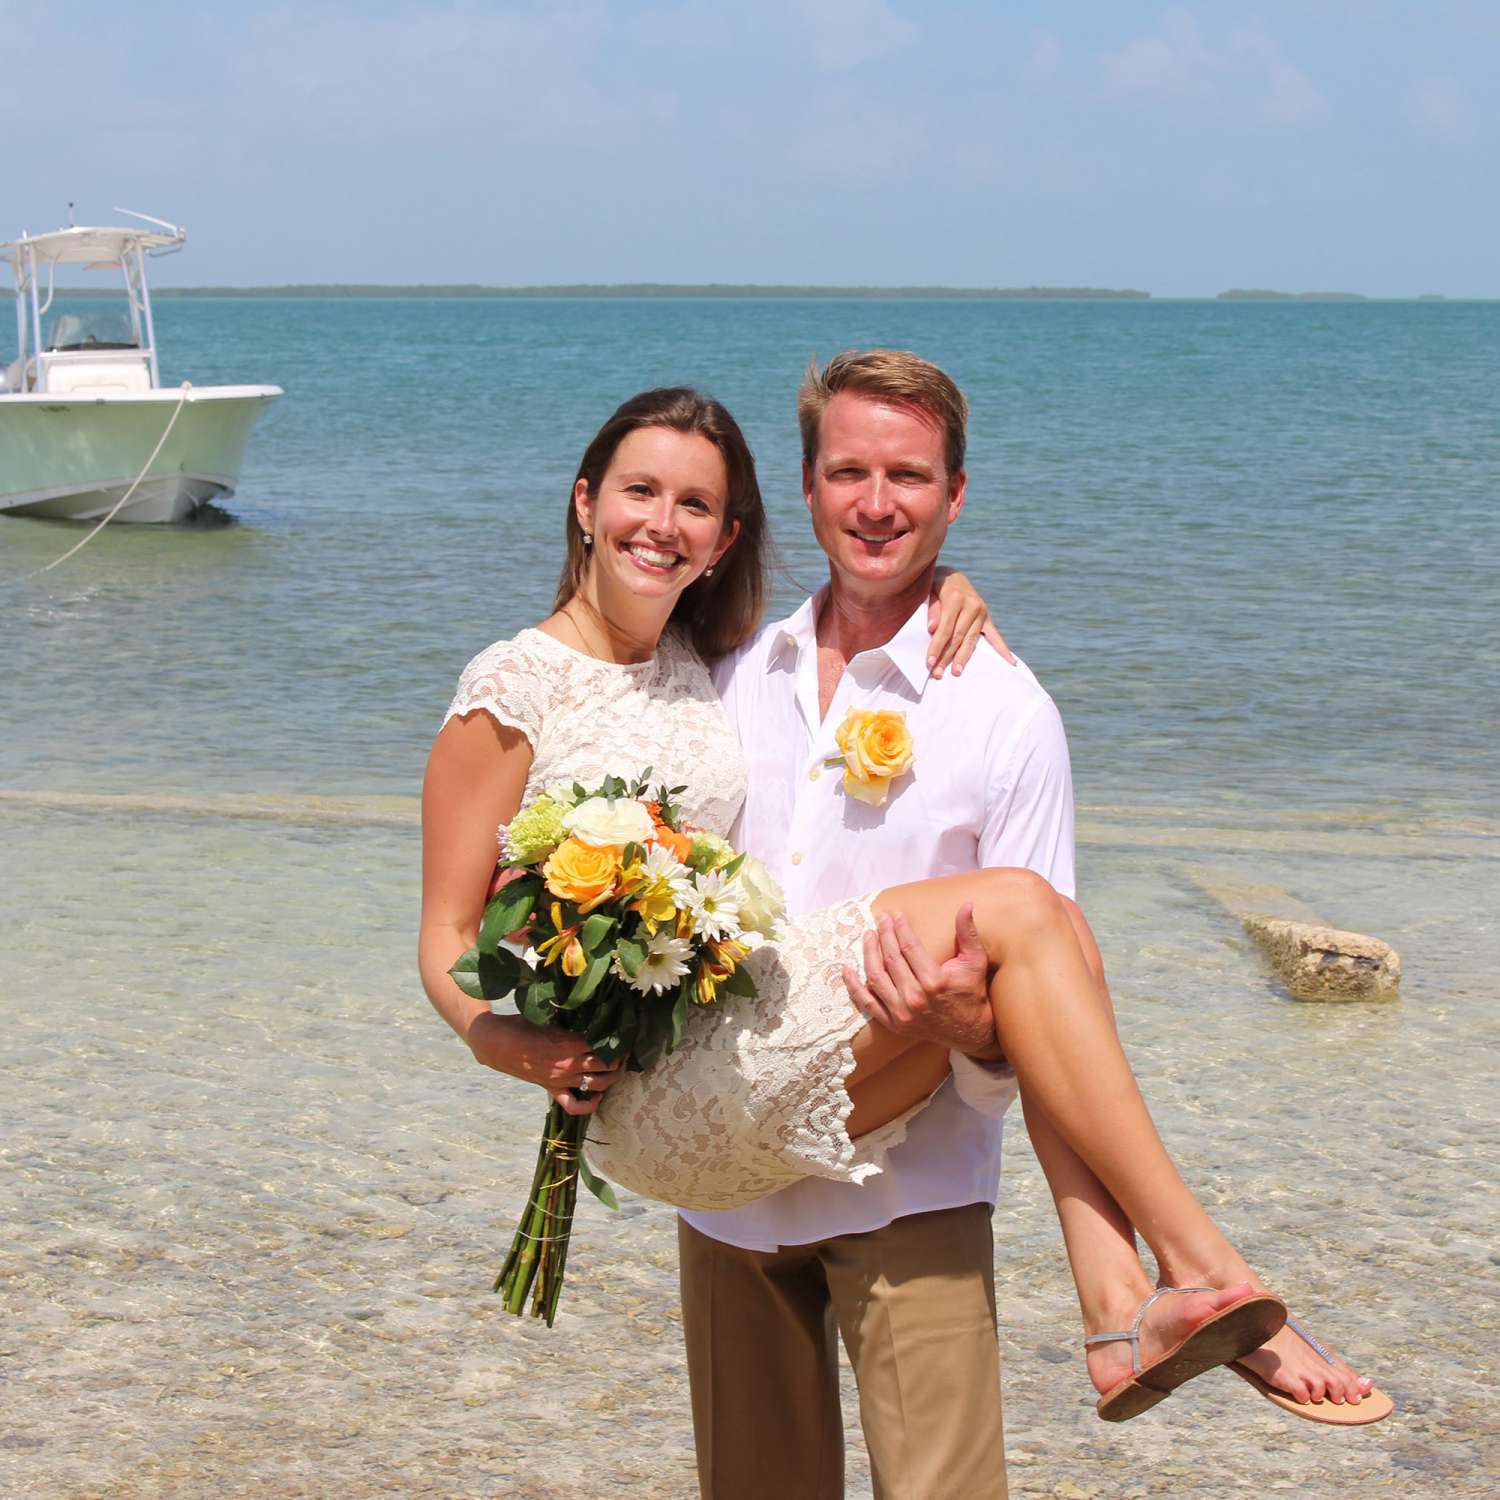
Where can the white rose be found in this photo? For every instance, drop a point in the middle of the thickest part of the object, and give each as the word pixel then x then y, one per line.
pixel 761 901
pixel 601 822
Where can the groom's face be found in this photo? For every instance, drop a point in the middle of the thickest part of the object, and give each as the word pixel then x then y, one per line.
pixel 879 492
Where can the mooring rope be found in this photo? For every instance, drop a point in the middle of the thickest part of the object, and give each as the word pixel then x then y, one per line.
pixel 119 504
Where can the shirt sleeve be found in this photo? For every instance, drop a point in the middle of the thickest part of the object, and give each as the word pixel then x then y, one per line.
pixel 503 683
pixel 988 1087
pixel 1028 825
pixel 1029 805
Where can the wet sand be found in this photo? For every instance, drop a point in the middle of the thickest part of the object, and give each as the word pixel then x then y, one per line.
pixel 254 1193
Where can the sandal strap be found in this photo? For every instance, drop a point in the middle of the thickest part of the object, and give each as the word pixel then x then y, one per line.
pixel 1307 1338
pixel 1133 1333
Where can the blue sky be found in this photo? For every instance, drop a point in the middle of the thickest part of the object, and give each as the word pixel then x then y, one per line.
pixel 1180 149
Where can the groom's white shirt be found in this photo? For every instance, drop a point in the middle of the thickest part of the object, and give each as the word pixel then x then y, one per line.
pixel 990 785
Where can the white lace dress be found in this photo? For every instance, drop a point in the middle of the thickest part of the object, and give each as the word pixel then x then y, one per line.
pixel 754 1097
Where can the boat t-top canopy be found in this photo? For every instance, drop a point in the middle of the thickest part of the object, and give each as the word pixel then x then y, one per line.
pixel 35 258
pixel 97 248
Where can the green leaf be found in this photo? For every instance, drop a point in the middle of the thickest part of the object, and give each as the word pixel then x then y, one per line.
pixel 508 910
pixel 602 1023
pixel 733 867
pixel 466 974
pixel 631 853
pixel 587 982
pixel 595 930
pixel 630 1024
pixel 739 983
pixel 632 953
pixel 597 1185
pixel 679 1016
pixel 538 1002
pixel 489 976
pixel 580 791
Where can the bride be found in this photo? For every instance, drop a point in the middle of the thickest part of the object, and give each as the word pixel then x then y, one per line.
pixel 665 569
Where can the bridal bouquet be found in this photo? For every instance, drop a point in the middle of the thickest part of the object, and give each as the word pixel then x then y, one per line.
pixel 633 917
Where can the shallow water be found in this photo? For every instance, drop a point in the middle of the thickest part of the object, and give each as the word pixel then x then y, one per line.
pixel 254 1193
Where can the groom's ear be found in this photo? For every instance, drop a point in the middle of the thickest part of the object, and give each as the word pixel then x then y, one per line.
pixel 807 483
pixel 958 488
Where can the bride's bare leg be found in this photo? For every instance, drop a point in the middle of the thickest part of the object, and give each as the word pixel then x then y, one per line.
pixel 1097 1232
pixel 1108 1274
pixel 1061 1040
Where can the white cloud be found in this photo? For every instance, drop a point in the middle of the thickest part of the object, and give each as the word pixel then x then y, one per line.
pixel 1044 60
pixel 1289 96
pixel 1174 62
pixel 1438 108
pixel 1250 67
pixel 431 70
pixel 846 33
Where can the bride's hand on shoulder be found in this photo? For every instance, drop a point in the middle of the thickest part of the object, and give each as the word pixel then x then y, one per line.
pixel 548 1056
pixel 956 618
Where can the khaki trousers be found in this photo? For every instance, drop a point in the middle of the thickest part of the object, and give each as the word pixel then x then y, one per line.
pixel 915 1303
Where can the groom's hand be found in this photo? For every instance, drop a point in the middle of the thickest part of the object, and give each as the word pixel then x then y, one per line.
pixel 905 990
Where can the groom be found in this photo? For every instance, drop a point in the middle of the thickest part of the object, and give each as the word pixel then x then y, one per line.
pixel 900 1266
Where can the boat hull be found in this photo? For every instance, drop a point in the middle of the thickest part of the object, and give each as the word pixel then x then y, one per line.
pixel 74 457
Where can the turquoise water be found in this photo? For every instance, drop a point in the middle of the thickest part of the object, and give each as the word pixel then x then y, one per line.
pixel 1250 549
pixel 253 1193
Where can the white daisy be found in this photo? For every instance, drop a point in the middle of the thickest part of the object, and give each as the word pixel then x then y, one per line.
pixel 666 963
pixel 715 905
pixel 661 864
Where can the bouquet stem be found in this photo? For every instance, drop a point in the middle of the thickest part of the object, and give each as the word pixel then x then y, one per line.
pixel 539 1251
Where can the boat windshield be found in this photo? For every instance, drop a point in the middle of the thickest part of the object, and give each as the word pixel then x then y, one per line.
pixel 101 329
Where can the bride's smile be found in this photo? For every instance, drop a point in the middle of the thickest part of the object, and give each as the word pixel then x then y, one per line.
pixel 657 519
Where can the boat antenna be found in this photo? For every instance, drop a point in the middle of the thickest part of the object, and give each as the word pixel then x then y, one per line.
pixel 72 220
pixel 147 219
pixel 176 230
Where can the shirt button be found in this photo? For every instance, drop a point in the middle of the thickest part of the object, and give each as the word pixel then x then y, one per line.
pixel 816 772
pixel 797 857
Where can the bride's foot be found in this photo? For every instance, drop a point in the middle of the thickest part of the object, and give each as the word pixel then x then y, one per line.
pixel 1294 1368
pixel 1167 1323
pixel 1286 1362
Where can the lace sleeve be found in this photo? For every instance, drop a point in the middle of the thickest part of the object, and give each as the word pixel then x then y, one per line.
pixel 504 682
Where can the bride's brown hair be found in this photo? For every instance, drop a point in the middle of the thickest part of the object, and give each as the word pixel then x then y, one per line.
pixel 717 612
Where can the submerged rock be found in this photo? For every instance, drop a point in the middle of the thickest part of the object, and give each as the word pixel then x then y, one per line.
pixel 1318 962
pixel 1312 957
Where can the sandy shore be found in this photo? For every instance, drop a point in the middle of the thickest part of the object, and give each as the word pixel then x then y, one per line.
pixel 254 1193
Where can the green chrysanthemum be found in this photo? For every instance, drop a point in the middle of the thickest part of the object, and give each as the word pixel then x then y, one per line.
pixel 710 852
pixel 535 831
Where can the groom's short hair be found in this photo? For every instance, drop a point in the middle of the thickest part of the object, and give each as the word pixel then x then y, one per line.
pixel 894 376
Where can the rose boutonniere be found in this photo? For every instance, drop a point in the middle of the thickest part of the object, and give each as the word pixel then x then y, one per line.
pixel 876 749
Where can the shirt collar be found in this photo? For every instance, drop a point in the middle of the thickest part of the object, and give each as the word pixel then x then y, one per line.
pixel 906 650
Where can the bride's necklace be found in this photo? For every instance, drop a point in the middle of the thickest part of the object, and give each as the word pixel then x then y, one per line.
pixel 590 647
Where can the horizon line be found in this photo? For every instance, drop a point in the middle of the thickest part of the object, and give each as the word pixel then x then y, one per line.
pixel 759 290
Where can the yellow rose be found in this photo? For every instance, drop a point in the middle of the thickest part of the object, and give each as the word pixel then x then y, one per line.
pixel 876 746
pixel 582 873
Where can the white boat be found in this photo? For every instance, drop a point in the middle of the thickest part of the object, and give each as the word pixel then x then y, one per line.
pixel 82 408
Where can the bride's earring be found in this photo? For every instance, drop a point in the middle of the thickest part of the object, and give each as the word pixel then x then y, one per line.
pixel 708 572
pixel 588 539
